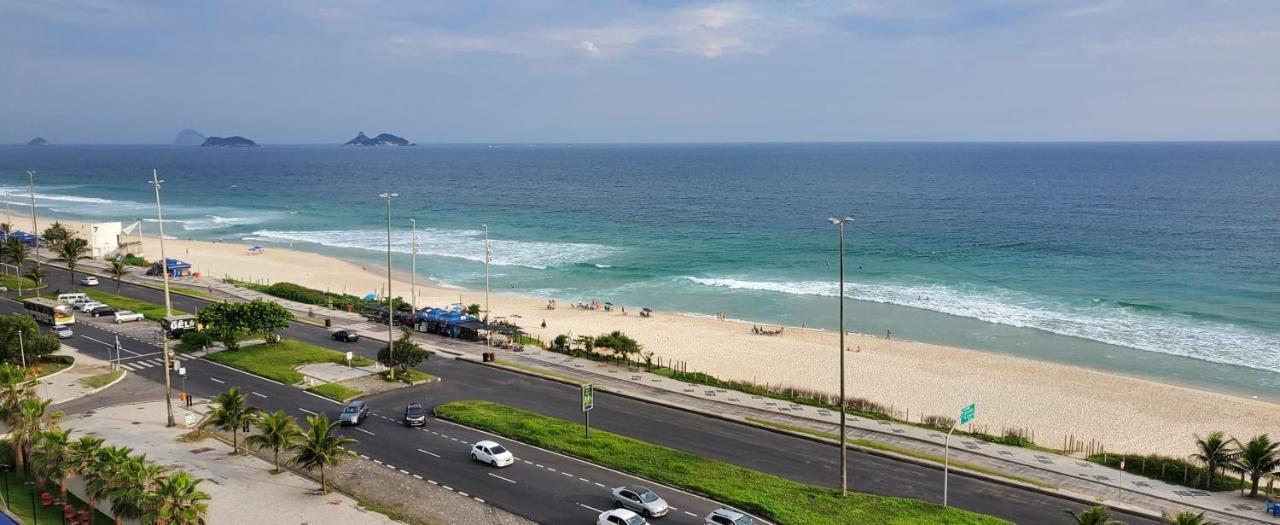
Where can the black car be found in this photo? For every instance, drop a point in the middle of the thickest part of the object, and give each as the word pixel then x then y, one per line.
pixel 415 415
pixel 346 336
pixel 102 310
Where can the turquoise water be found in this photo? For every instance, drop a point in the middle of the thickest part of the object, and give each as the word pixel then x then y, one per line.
pixel 1157 260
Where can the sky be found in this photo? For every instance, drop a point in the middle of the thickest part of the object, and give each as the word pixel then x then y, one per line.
pixel 318 71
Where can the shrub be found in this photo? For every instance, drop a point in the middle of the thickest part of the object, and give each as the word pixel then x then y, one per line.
pixel 194 341
pixel 938 422
pixel 133 260
pixel 59 359
pixel 1176 471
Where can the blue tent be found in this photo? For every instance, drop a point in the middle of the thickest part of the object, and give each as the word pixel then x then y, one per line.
pixel 176 268
pixel 25 237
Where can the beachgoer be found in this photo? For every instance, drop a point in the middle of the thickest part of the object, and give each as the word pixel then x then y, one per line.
pixel 544 323
pixel 888 334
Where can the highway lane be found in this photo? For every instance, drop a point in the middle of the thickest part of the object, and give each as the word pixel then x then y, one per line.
pixel 794 458
pixel 541 485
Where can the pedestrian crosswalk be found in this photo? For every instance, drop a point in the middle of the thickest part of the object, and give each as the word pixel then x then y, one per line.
pixel 151 361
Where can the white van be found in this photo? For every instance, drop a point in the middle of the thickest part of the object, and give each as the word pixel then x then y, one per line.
pixel 72 298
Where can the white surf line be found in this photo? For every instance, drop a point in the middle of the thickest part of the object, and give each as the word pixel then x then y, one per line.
pixel 365 431
pixel 257 394
pixel 218 381
pixel 432 454
pixel 590 508
pixel 511 481
pixel 308 411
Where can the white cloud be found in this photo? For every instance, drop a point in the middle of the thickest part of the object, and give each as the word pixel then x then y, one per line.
pixel 590 48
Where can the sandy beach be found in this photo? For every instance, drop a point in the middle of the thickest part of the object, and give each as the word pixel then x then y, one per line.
pixel 1125 414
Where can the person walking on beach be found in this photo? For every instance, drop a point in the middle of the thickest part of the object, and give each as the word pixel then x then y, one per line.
pixel 544 323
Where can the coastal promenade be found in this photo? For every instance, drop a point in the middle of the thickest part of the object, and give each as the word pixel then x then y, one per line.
pixel 1057 474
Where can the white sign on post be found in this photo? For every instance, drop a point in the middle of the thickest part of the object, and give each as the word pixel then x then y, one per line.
pixel 190 420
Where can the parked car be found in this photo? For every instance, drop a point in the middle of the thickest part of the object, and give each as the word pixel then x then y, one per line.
pixel 125 316
pixel 620 517
pixel 415 415
pixel 641 500
pixel 102 310
pixel 346 336
pixel 492 453
pixel 89 280
pixel 354 414
pixel 79 302
pixel 88 306
pixel 62 331
pixel 728 516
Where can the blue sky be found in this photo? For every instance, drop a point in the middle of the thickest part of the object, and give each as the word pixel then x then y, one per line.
pixel 316 71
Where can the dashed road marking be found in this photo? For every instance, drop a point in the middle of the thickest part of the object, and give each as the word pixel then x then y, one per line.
pixel 432 454
pixel 446 487
pixel 502 478
pixel 221 382
pixel 464 494
pixel 477 499
pixel 307 411
pixel 584 479
pixel 432 481
pixel 364 456
pixel 257 394
pixel 379 461
pixel 598 484
pixel 690 513
pixel 590 508
pixel 365 431
pixel 417 476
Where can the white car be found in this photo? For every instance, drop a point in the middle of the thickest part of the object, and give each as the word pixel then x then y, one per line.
pixel 88 306
pixel 124 316
pixel 62 331
pixel 88 280
pixel 620 517
pixel 492 453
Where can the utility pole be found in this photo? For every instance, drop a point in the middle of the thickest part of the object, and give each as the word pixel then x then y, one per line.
pixel 844 452
pixel 413 268
pixel 488 256
pixel 391 310
pixel 35 232
pixel 168 305
pixel 22 349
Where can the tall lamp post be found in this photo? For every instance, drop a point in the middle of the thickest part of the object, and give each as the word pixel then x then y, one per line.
pixel 168 305
pixel 488 256
pixel 413 268
pixel 35 230
pixel 844 453
pixel 391 310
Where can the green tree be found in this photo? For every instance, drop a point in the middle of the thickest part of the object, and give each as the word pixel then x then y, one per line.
pixel 33 344
pixel 71 251
pixel 52 458
pixel 178 500
pixel 276 431
pixel 1093 516
pixel 321 447
pixel 1185 518
pixel 266 318
pixel 232 413
pixel 407 354
pixel 1215 452
pixel 230 323
pixel 130 488
pixel 119 269
pixel 1256 458
pixel 15 386
pixel 33 418
pixel 100 479
pixel 561 342
pixel 55 235
pixel 587 342
pixel 36 274
pixel 5 229
pixel 16 253
pixel 473 309
pixel 83 454
pixel 223 322
pixel 619 343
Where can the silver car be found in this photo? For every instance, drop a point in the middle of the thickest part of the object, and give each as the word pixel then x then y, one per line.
pixel 641 500
pixel 355 412
pixel 728 517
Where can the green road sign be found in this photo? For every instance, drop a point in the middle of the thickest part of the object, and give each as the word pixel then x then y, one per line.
pixel 588 397
pixel 966 413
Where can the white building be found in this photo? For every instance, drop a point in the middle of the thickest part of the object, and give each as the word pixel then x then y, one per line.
pixel 104 239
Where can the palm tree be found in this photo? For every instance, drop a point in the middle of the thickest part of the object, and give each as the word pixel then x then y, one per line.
pixel 129 489
pixel 36 274
pixel 99 479
pixel 16 253
pixel 320 446
pixel 178 500
pixel 55 235
pixel 83 454
pixel 5 229
pixel 14 387
pixel 275 431
pixel 1186 518
pixel 1215 452
pixel 1257 458
pixel 1094 516
pixel 118 270
pixel 52 458
pixel 32 419
pixel 70 251
pixel 231 414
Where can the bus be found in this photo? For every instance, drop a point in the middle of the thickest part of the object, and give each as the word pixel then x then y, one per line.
pixel 49 311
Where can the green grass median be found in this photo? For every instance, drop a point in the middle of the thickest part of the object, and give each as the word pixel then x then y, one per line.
pixel 335 391
pixel 149 310
pixel 771 497
pixel 278 360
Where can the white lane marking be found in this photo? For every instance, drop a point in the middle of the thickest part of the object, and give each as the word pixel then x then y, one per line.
pixel 257 394
pixel 464 494
pixel 551 469
pixel 365 431
pixel 446 487
pixel 378 461
pixel 308 411
pixel 590 508
pixel 364 456
pixel 584 479
pixel 403 471
pixel 567 474
pixel 432 454
pixel 417 476
pixel 502 478
pixel 690 513
pixel 218 381
pixel 432 481
pixel 477 499
pixel 601 485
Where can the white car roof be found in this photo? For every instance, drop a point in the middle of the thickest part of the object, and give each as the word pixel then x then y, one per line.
pixel 621 513
pixel 486 443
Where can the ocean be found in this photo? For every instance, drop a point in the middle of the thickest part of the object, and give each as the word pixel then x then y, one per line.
pixel 1159 260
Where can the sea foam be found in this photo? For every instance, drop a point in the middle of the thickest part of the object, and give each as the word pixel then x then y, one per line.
pixel 460 244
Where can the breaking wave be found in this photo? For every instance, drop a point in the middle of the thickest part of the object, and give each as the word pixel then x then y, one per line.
pixel 460 244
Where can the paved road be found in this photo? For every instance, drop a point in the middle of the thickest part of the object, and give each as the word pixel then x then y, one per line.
pixel 794 458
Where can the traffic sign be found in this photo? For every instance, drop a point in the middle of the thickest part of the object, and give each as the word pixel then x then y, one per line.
pixel 966 413
pixel 588 397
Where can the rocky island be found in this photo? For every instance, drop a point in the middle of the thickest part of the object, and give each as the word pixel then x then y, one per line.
pixel 228 142
pixel 189 137
pixel 383 139
pixel 38 141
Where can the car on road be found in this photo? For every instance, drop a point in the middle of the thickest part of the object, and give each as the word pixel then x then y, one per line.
pixel 79 302
pixel 88 280
pixel 354 413
pixel 346 336
pixel 620 517
pixel 62 331
pixel 415 415
pixel 728 516
pixel 102 310
pixel 641 500
pixel 88 306
pixel 125 316
pixel 492 453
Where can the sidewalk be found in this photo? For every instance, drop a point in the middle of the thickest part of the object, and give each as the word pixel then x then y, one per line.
pixel 65 385
pixel 1073 477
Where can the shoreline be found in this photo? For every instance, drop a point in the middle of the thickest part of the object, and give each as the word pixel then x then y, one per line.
pixel 1124 412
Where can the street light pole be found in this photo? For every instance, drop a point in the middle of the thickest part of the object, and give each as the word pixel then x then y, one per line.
pixel 35 230
pixel 22 349
pixel 391 310
pixel 168 305
pixel 488 255
pixel 844 453
pixel 413 268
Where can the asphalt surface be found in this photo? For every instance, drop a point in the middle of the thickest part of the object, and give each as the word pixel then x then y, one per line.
pixel 531 488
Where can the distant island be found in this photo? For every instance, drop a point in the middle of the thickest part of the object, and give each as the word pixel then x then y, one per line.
pixel 38 141
pixel 189 137
pixel 383 139
pixel 228 142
